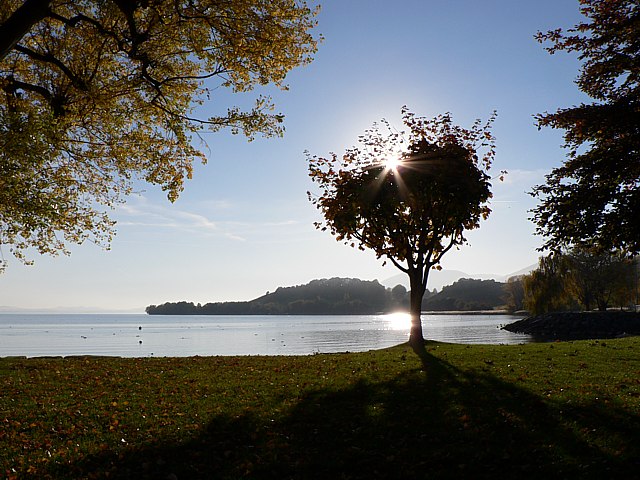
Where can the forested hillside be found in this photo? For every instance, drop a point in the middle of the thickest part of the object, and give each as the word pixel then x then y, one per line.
pixel 337 296
pixel 347 296
pixel 467 294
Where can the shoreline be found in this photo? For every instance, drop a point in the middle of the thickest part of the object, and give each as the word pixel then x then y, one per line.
pixel 578 325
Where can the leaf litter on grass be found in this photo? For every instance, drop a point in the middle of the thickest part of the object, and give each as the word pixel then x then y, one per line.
pixel 542 408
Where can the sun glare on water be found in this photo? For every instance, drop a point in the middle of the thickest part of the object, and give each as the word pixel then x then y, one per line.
pixel 398 321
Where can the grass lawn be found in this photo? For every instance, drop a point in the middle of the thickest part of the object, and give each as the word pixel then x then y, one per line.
pixel 554 410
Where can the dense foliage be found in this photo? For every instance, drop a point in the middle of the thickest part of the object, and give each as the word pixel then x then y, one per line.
pixel 594 197
pixel 95 94
pixel 581 279
pixel 408 196
pixel 544 288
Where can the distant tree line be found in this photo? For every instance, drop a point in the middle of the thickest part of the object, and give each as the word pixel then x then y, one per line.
pixel 468 294
pixel 349 296
pixel 581 279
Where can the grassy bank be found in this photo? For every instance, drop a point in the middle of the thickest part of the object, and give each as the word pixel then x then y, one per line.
pixel 564 410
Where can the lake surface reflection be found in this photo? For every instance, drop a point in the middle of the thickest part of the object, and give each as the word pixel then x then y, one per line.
pixel 140 335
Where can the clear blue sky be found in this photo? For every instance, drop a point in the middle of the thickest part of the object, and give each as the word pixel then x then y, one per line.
pixel 244 226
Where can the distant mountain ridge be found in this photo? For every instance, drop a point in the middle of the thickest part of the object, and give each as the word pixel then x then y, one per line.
pixel 439 279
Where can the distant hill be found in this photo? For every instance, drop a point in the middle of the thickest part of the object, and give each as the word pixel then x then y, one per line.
pixel 335 296
pixel 468 294
pixel 347 296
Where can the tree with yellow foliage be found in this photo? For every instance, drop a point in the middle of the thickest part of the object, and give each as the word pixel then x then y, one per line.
pixel 96 94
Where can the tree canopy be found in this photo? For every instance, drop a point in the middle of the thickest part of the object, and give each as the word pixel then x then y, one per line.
pixel 581 279
pixel 594 197
pixel 408 196
pixel 600 278
pixel 96 94
pixel 544 288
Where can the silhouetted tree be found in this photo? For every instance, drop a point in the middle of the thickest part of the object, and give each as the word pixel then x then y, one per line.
pixel 597 278
pixel 584 278
pixel 399 296
pixel 407 199
pixel 514 289
pixel 594 197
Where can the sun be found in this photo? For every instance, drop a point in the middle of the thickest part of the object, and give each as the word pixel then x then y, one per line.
pixel 392 163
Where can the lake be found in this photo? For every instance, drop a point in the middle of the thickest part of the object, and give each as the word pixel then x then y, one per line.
pixel 141 335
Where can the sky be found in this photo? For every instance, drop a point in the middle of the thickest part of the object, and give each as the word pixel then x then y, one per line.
pixel 244 226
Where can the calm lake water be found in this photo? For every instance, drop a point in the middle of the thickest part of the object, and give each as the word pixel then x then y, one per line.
pixel 140 335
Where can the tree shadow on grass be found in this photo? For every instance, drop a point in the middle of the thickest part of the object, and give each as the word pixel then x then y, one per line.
pixel 439 422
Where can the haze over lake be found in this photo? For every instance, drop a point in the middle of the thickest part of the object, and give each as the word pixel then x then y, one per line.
pixel 139 335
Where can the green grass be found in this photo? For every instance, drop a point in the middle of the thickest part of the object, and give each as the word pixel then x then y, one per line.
pixel 560 410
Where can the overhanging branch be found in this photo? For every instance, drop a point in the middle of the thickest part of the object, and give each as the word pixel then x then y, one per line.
pixel 78 82
pixel 20 22
pixel 14 85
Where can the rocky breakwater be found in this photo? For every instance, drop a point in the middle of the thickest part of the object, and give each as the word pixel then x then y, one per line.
pixel 578 325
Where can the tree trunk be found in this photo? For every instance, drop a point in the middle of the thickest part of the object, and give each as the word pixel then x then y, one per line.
pixel 416 339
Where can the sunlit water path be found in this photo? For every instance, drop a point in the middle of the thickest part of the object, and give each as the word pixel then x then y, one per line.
pixel 139 335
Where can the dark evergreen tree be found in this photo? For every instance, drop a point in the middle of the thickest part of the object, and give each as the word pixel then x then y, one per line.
pixel 594 197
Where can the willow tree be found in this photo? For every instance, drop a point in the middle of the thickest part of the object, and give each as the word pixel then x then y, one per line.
pixel 546 287
pixel 96 94
pixel 409 196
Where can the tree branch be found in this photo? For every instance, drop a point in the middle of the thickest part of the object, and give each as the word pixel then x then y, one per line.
pixel 78 82
pixel 451 244
pixel 395 262
pixel 20 22
pixel 218 71
pixel 425 275
pixel 14 85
